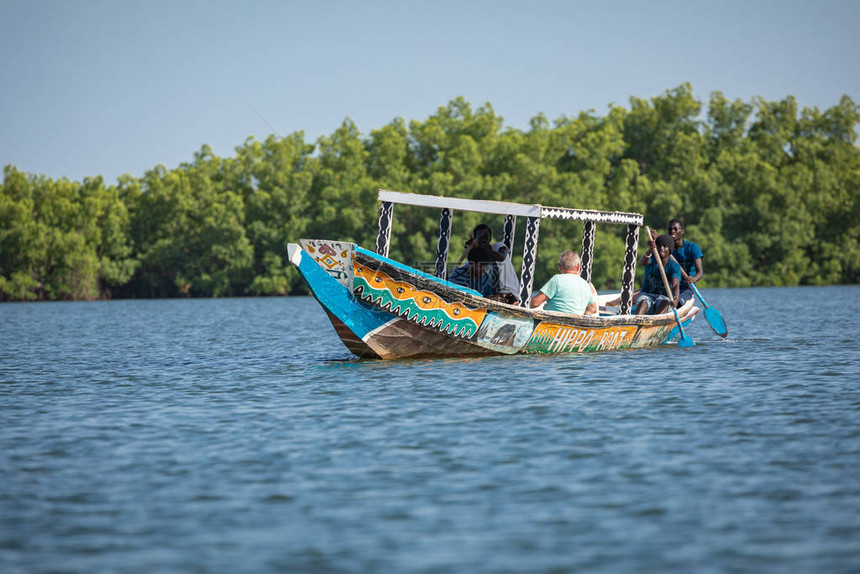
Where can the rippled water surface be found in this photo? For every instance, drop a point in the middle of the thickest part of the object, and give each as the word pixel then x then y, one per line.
pixel 240 436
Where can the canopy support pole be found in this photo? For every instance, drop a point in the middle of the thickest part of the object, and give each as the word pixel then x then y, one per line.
pixel 629 269
pixel 386 215
pixel 444 240
pixel 529 259
pixel 510 226
pixel 587 250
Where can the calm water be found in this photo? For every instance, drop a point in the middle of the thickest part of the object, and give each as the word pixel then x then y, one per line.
pixel 240 436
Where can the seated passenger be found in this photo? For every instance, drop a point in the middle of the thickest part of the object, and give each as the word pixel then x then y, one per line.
pixel 567 292
pixel 652 298
pixel 477 273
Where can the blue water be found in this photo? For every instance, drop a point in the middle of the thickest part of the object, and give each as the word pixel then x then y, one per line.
pixel 239 435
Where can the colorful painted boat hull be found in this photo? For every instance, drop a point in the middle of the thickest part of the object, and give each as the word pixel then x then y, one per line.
pixel 381 308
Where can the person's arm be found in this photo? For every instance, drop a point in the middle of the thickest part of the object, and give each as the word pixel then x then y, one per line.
pixel 699 272
pixel 497 256
pixel 686 276
pixel 538 300
pixel 472 243
pixel 593 308
pixel 676 290
pixel 646 259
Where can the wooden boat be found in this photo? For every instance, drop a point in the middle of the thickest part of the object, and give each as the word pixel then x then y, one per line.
pixel 381 308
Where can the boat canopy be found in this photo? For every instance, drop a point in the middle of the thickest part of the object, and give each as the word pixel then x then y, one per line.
pixel 533 213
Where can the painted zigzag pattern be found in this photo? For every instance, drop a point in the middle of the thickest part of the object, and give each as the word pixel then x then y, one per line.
pixel 410 308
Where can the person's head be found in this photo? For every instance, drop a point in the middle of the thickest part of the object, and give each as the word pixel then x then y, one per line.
pixel 568 262
pixel 482 234
pixel 676 229
pixel 665 244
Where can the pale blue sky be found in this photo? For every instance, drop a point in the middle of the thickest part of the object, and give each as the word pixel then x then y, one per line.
pixel 105 87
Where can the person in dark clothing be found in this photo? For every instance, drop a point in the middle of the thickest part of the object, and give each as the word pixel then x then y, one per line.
pixel 652 298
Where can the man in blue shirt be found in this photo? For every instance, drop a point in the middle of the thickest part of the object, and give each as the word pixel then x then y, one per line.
pixel 689 257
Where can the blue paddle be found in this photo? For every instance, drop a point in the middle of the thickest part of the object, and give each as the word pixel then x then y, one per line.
pixel 684 340
pixel 712 315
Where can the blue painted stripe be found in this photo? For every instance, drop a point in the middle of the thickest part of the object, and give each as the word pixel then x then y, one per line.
pixel 414 271
pixel 359 318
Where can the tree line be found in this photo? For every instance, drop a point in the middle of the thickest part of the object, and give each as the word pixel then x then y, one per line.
pixel 771 193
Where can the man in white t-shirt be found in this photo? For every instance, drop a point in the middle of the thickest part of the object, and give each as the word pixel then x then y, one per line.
pixel 567 292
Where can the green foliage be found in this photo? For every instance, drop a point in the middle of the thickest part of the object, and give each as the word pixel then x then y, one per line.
pixel 770 191
pixel 190 232
pixel 274 182
pixel 62 240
